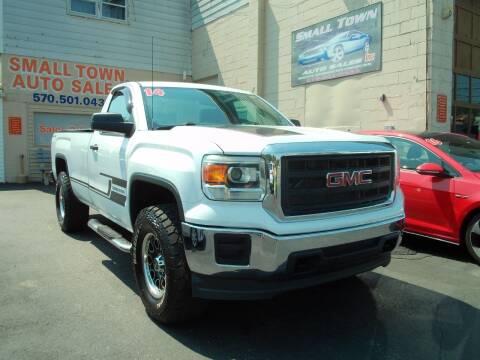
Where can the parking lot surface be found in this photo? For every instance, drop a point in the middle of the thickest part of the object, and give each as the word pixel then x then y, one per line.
pixel 75 297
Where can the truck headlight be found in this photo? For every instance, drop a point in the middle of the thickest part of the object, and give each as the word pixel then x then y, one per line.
pixel 237 178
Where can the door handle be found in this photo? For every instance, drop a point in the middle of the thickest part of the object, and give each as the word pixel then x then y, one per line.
pixel 94 147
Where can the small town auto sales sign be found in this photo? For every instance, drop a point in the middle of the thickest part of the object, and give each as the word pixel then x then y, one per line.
pixel 347 45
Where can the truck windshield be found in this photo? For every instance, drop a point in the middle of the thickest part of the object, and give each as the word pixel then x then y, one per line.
pixel 462 149
pixel 166 107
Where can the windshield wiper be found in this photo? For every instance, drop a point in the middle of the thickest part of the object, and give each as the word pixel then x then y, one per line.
pixel 169 127
pixel 165 127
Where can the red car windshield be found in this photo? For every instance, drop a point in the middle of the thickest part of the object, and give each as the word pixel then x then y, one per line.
pixel 462 149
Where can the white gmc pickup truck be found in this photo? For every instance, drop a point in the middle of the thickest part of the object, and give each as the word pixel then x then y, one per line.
pixel 217 195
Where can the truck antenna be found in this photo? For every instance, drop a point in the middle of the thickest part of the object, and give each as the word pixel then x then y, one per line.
pixel 151 95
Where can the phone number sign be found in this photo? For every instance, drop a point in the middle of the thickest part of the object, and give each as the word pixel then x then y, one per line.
pixel 61 82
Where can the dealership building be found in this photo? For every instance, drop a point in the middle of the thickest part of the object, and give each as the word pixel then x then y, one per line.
pixel 345 64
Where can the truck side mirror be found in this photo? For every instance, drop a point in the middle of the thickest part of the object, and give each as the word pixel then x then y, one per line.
pixel 296 122
pixel 112 122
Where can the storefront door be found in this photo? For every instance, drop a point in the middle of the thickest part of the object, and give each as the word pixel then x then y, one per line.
pixel 466 107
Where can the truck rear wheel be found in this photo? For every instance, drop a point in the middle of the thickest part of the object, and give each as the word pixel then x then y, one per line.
pixel 160 267
pixel 72 215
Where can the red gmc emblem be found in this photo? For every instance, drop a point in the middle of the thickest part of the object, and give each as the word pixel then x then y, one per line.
pixel 345 178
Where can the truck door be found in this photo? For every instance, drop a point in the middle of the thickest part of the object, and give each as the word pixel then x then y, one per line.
pixel 107 162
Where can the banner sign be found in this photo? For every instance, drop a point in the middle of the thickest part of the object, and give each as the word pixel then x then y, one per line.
pixel 346 45
pixel 60 82
pixel 45 124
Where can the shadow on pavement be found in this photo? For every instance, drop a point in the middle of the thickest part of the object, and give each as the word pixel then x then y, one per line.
pixel 118 263
pixel 368 317
pixel 434 247
pixel 49 189
pixel 371 316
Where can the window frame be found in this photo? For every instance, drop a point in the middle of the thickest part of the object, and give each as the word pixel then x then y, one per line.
pixel 109 3
pixel 82 14
pixel 449 168
pixel 128 99
pixel 99 11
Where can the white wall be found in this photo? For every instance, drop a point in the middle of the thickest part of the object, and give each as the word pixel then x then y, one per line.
pixel 42 28
pixel 227 47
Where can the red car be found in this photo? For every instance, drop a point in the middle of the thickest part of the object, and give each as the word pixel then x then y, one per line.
pixel 440 178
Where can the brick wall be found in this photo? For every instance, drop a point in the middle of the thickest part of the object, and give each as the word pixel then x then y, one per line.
pixel 352 102
pixel 226 47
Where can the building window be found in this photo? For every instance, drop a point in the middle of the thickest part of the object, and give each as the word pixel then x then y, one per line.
pixel 100 9
pixel 87 7
pixel 114 9
pixel 462 88
pixel 475 91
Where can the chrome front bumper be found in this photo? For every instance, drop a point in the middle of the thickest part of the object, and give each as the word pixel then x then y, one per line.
pixel 271 255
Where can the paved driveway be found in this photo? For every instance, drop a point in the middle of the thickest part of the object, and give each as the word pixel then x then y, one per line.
pixel 67 297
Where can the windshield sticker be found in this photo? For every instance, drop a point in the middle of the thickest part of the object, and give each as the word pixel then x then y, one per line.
pixel 154 92
pixel 433 141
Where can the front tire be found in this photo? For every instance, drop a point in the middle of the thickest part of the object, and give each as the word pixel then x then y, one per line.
pixel 72 215
pixel 472 238
pixel 160 266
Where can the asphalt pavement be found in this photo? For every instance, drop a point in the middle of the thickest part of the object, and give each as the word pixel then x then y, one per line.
pixel 74 297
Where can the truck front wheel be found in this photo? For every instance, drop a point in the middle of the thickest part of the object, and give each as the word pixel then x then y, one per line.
pixel 72 215
pixel 160 267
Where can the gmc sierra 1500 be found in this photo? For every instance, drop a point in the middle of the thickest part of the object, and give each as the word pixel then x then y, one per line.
pixel 218 195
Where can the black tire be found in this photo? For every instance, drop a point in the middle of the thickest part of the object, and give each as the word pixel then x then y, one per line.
pixel 74 216
pixel 173 303
pixel 471 239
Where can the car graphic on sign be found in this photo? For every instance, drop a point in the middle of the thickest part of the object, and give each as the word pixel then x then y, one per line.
pixel 336 47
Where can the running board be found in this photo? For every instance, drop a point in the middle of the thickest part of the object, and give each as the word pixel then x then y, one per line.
pixel 110 235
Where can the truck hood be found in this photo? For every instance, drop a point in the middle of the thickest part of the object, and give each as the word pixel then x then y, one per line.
pixel 251 140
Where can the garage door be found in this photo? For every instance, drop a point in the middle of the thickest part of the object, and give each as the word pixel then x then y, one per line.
pixel 44 125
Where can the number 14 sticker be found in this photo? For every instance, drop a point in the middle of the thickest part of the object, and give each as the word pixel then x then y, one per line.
pixel 154 92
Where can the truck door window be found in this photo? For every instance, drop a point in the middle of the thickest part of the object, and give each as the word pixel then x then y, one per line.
pixel 119 105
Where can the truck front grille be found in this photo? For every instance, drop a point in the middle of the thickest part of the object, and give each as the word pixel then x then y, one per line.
pixel 304 182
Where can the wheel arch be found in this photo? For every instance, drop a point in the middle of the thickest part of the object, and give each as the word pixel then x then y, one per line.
pixel 466 220
pixel 159 191
pixel 60 164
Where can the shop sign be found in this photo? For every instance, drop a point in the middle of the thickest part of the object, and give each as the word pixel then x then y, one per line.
pixel 441 108
pixel 45 124
pixel 347 45
pixel 63 83
pixel 14 125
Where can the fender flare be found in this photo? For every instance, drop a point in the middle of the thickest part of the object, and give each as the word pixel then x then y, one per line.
pixel 59 156
pixel 160 182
